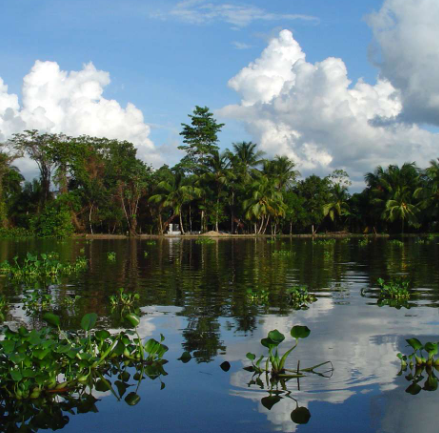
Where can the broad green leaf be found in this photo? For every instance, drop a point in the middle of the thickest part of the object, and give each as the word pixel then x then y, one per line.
pixel 415 343
pixel 276 336
pixel 185 357
pixel 300 332
pixel 251 356
pixel 300 415
pixel 132 319
pixel 225 366
pixel 89 321
pixel 52 319
pixel 102 335
pixel 270 401
pixel 132 399
pixel 16 375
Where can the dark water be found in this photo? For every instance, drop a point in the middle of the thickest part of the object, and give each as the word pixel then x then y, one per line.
pixel 196 295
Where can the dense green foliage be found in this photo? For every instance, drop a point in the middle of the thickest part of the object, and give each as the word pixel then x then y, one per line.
pixel 99 185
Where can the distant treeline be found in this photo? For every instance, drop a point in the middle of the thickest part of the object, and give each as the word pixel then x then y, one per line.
pixel 98 185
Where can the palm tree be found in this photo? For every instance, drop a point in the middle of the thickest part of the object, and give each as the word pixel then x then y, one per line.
pixel 400 208
pixel 266 201
pixel 221 175
pixel 282 169
pixel 338 205
pixel 246 158
pixel 174 193
pixel 394 186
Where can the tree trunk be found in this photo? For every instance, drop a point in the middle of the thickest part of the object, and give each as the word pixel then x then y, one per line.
pixel 202 221
pixel 291 228
pixel 89 219
pixel 181 222
pixel 190 218
pixel 216 217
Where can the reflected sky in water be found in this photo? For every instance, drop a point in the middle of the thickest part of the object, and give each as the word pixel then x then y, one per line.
pixel 196 295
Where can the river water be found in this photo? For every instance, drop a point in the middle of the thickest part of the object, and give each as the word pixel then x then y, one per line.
pixel 197 296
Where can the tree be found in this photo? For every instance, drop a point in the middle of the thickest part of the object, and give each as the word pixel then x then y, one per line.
pixel 7 172
pixel 221 175
pixel 265 202
pixel 174 193
pixel 200 138
pixel 38 146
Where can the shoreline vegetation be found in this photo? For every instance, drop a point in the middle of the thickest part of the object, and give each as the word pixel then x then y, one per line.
pixel 98 186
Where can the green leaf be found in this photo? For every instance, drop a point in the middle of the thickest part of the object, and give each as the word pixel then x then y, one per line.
pixel 270 401
pixel 300 332
pixel 251 356
pixel 102 335
pixel 186 357
pixel 89 321
pixel 301 415
pixel 16 375
pixel 132 399
pixel 132 319
pixel 276 336
pixel 52 319
pixel 415 343
pixel 225 366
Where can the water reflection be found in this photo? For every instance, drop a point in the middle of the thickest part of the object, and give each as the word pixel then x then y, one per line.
pixel 198 296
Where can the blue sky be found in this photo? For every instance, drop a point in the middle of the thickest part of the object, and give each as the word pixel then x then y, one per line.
pixel 165 57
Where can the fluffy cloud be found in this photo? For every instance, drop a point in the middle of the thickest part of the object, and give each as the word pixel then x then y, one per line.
pixel 407 32
pixel 201 12
pixel 72 102
pixel 315 115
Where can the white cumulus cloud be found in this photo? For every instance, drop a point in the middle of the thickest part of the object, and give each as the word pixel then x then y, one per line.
pixel 407 33
pixel 73 103
pixel 315 115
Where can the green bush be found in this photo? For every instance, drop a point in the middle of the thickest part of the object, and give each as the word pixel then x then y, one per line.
pixel 55 220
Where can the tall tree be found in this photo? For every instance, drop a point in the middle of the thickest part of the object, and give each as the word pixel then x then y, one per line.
pixel 200 138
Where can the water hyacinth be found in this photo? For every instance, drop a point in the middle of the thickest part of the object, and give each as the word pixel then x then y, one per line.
pixel 124 299
pixel 299 297
pixel 422 360
pixel 274 364
pixel 47 266
pixel 398 290
pixel 205 241
pixel 324 242
pixel 46 361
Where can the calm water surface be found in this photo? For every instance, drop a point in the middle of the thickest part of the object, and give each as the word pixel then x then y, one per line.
pixel 196 295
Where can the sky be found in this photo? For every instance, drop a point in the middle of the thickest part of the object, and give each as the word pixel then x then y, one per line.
pixel 346 85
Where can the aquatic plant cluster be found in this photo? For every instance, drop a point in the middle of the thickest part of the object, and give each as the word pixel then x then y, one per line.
pixel 398 290
pixel 44 266
pixel 275 363
pixel 422 360
pixel 40 362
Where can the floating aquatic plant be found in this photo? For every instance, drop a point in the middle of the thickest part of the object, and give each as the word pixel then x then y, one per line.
pixel 299 297
pixel 396 242
pixel 274 364
pixel 111 256
pixel 363 242
pixel 205 241
pixel 151 243
pixel 324 242
pixel 45 266
pixel 40 362
pixel 397 289
pixel 345 240
pixel 258 296
pixel 422 360
pixel 124 299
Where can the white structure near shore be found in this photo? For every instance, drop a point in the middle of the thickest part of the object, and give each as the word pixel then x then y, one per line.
pixel 173 230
